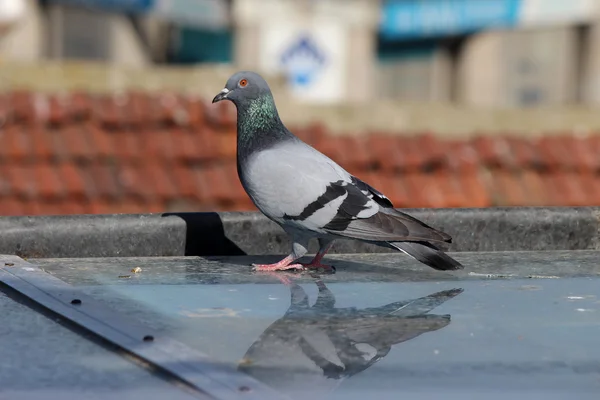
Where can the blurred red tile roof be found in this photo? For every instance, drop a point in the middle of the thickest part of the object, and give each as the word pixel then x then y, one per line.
pixel 139 152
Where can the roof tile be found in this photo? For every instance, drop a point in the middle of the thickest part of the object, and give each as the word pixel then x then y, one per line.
pixel 5 183
pixel 71 207
pixel 221 115
pixel 157 144
pixel 72 180
pixel 332 148
pixel 12 206
pixel 553 195
pixel 534 187
pixel 475 189
pixel 42 144
pixel 394 190
pixel 194 108
pixel 585 154
pixel 16 143
pixel 494 151
pixel 105 180
pixel 37 207
pixel 107 112
pixel 590 183
pixel 462 157
pixel 101 206
pixel 99 140
pixel 6 111
pixel 138 109
pixel 58 109
pixel 415 185
pixel 22 180
pixel 432 149
pixel 190 146
pixel 553 153
pixel 216 180
pixel 569 186
pixel 133 183
pixel 525 152
pixel 385 151
pixel 74 139
pixel 451 187
pixel 410 157
pixel 238 194
pixel 356 151
pixel 48 182
pixel 169 108
pixel 507 189
pixel 207 145
pixel 80 104
pixel 227 145
pixel 126 145
pixel 158 178
pixel 22 106
pixel 432 192
pixel 184 179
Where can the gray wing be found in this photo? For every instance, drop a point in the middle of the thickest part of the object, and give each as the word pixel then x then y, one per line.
pixel 387 224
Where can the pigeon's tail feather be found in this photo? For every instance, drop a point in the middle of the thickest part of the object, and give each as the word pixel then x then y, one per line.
pixel 428 255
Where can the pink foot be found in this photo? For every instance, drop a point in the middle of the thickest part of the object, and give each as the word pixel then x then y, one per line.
pixel 282 265
pixel 275 267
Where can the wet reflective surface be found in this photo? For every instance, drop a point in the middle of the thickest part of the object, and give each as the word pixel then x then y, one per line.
pixel 41 359
pixel 387 330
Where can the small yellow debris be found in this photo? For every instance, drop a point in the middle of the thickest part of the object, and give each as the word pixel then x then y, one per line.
pixel 136 270
pixel 245 361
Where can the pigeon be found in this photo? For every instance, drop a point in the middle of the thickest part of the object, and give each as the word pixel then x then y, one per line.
pixel 309 195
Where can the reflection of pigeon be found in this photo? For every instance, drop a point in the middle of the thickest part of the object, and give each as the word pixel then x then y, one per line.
pixel 315 348
pixel 308 194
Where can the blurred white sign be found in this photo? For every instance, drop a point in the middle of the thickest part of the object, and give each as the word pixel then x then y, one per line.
pixel 535 12
pixel 312 56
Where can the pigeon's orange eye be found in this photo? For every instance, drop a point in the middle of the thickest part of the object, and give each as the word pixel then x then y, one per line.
pixel 243 83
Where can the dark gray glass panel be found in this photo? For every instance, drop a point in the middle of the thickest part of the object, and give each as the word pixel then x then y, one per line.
pixel 42 359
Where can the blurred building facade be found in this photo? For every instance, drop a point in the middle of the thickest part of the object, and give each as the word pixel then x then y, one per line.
pixel 147 144
pixel 488 53
pixel 497 53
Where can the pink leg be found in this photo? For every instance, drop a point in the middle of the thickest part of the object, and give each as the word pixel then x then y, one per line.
pixel 316 262
pixel 282 265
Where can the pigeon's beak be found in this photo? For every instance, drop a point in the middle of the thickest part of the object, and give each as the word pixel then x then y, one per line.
pixel 221 96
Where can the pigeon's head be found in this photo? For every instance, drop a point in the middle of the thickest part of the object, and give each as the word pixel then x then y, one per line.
pixel 243 86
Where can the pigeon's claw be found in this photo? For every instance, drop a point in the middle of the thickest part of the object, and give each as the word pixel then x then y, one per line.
pixel 282 265
pixel 275 267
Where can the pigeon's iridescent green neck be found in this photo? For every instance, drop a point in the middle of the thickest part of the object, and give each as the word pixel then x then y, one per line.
pixel 258 124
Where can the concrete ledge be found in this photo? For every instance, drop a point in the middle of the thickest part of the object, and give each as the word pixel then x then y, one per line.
pixel 233 233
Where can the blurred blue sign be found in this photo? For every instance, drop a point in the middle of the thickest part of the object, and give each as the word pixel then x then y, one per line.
pixel 408 19
pixel 116 5
pixel 303 60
